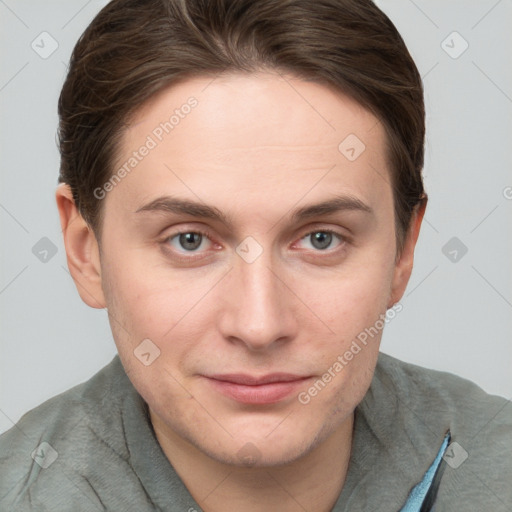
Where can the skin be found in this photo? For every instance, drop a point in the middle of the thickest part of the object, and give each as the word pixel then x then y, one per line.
pixel 256 147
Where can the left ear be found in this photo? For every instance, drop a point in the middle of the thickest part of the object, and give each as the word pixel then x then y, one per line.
pixel 403 266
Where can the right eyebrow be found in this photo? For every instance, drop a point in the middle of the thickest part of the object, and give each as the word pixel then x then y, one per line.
pixel 169 204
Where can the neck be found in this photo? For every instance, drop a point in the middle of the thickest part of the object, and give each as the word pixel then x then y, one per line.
pixel 312 482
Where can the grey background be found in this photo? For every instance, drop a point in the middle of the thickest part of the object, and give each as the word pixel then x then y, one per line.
pixel 456 314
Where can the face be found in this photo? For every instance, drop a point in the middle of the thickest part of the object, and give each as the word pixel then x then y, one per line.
pixel 249 294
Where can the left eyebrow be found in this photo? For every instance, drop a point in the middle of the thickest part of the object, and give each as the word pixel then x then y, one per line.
pixel 339 203
pixel 168 204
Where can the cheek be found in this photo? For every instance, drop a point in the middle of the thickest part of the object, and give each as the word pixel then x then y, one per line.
pixel 173 309
pixel 353 304
pixel 144 293
pixel 350 299
pixel 144 308
pixel 353 309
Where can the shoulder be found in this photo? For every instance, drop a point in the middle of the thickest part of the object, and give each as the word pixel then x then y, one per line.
pixel 57 434
pixel 460 401
pixel 58 416
pixel 479 458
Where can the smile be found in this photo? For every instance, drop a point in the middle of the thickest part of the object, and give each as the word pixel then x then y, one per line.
pixel 267 389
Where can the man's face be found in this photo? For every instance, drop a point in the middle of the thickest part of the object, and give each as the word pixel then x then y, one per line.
pixel 257 290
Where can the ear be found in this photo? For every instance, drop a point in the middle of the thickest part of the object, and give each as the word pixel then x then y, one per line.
pixel 403 266
pixel 82 249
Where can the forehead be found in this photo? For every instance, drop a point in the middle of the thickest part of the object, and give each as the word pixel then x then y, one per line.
pixel 253 135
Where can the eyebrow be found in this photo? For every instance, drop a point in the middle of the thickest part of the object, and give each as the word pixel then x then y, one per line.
pixel 169 204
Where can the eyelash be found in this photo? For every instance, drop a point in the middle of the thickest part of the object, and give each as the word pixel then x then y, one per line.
pixel 342 238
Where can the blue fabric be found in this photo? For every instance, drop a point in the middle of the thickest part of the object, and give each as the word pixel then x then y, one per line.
pixel 418 493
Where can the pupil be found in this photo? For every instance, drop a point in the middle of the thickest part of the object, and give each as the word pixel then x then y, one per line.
pixel 321 240
pixel 190 240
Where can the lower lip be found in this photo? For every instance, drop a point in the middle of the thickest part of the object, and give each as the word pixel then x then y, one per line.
pixel 260 394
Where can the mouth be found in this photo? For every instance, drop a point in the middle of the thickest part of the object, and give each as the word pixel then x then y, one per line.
pixel 250 389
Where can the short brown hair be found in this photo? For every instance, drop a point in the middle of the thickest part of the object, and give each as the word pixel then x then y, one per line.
pixel 135 48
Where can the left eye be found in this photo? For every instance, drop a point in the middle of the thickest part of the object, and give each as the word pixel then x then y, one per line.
pixel 189 241
pixel 321 240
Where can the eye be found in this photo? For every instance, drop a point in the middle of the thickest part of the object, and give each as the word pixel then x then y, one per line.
pixel 187 241
pixel 322 239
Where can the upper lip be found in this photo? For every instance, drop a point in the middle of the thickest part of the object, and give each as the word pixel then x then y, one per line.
pixel 253 380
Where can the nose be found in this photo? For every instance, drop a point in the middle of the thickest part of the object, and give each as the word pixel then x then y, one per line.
pixel 259 310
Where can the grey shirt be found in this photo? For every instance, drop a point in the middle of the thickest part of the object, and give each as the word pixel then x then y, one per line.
pixel 93 448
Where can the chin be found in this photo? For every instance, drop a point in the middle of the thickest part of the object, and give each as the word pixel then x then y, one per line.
pixel 262 454
pixel 257 451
